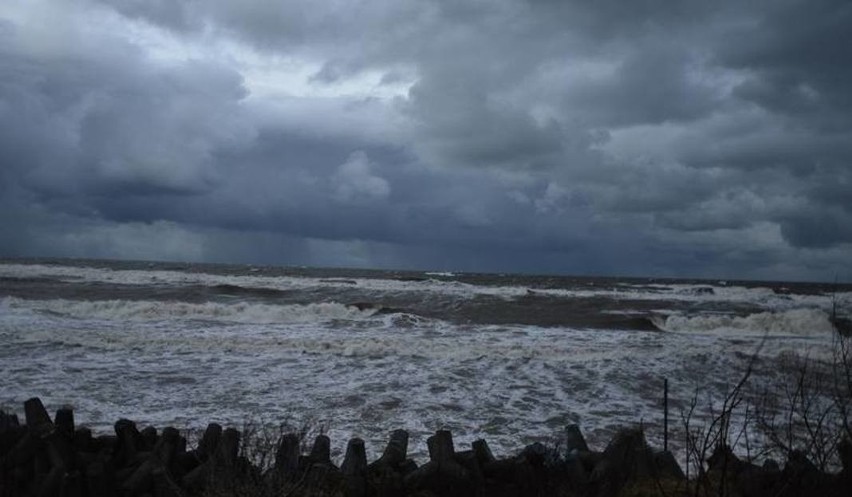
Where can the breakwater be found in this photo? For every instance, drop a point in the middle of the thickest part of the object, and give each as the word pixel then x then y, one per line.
pixel 47 456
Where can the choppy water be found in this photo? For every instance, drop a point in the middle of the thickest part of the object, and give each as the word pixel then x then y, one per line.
pixel 509 358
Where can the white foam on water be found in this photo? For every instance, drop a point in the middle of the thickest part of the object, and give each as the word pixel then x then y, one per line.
pixel 793 322
pixel 761 296
pixel 162 277
pixel 723 293
pixel 365 374
pixel 237 312
pixel 363 377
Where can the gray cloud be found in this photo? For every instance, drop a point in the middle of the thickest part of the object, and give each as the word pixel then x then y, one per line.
pixel 648 137
pixel 797 58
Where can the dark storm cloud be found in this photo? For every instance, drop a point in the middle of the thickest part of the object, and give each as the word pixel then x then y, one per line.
pixel 107 126
pixel 797 53
pixel 665 137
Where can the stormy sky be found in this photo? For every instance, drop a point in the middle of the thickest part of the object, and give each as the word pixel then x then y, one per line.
pixel 649 137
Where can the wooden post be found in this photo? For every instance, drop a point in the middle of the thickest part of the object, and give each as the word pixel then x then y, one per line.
pixel 665 414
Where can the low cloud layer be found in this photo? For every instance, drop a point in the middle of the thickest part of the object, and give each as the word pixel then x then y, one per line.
pixel 640 138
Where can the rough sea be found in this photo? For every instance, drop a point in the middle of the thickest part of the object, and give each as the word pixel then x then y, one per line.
pixel 509 358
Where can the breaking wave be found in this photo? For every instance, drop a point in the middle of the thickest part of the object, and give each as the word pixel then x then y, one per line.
pixel 433 283
pixel 794 322
pixel 242 312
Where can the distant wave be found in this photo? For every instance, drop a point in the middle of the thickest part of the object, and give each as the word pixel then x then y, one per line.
pixel 242 312
pixel 267 285
pixel 376 308
pixel 793 322
pixel 229 289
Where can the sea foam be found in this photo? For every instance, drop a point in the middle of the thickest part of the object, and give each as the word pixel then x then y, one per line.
pixel 362 372
pixel 760 296
pixel 792 322
pixel 237 312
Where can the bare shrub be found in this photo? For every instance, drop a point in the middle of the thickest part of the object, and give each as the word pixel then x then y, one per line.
pixel 800 412
pixel 725 428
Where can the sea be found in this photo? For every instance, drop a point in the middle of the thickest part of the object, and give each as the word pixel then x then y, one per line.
pixel 510 358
